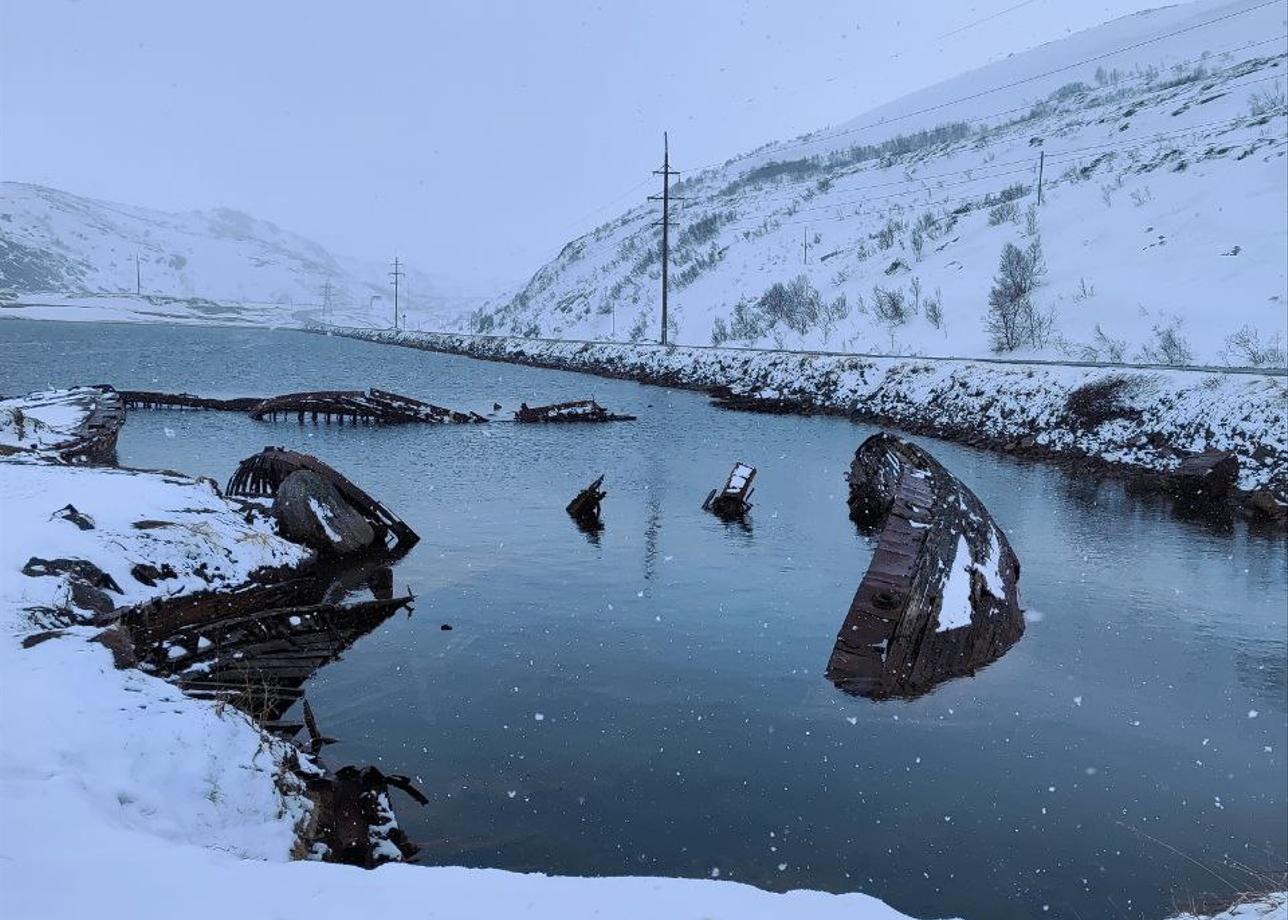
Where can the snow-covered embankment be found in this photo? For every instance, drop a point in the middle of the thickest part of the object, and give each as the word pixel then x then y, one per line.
pixel 1134 418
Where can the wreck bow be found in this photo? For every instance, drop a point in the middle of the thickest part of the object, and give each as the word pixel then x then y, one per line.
pixel 939 598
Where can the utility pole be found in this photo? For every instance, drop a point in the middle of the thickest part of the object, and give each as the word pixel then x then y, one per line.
pixel 326 300
pixel 1041 164
pixel 396 274
pixel 138 277
pixel 805 248
pixel 666 172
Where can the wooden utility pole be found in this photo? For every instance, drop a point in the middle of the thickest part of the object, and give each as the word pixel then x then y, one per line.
pixel 1041 164
pixel 138 277
pixel 805 247
pixel 666 172
pixel 396 274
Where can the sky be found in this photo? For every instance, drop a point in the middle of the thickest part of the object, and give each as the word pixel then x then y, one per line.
pixel 472 138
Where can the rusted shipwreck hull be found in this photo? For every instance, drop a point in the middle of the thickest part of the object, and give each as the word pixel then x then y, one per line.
pixel 370 406
pixel 581 410
pixel 259 476
pixel 148 399
pixel 939 599
pixel 92 438
pixel 260 661
pixel 374 405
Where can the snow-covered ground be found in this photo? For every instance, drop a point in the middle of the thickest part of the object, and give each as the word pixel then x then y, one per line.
pixel 1163 226
pixel 1154 417
pixel 64 256
pixel 1272 906
pixel 121 797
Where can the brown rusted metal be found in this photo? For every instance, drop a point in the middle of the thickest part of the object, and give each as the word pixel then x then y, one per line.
pixel 898 638
pixel 580 410
pixel 733 500
pixel 260 476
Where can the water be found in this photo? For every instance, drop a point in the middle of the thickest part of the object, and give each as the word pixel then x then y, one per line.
pixel 653 701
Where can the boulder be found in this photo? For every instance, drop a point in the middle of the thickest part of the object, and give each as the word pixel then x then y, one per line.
pixel 310 510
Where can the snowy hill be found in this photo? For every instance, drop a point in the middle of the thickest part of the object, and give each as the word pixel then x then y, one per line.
pixel 1162 232
pixel 73 252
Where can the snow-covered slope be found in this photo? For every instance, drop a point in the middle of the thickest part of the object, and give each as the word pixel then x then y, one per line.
pixel 68 251
pixel 1163 226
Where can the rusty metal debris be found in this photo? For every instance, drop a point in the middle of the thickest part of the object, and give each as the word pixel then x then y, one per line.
pixel 733 500
pixel 584 508
pixel 260 476
pixel 939 599
pixel 581 410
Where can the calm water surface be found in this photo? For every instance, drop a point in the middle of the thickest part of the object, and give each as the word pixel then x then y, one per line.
pixel 653 702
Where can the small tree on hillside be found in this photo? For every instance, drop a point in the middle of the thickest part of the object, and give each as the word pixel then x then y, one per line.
pixel 1013 318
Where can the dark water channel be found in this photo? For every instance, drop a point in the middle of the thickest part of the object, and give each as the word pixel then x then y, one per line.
pixel 652 700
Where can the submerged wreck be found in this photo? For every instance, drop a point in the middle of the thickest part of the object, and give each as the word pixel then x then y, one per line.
pixel 939 599
pixel 78 425
pixel 266 474
pixel 371 406
pixel 584 508
pixel 581 410
pixel 732 500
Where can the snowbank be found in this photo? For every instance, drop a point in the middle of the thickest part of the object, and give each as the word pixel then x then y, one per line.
pixel 1152 416
pixel 1273 906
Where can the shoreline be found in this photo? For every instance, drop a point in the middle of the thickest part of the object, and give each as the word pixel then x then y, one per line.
pixel 107 766
pixel 1141 423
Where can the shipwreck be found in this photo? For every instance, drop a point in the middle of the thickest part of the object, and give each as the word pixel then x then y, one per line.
pixel 939 599
pixel 581 410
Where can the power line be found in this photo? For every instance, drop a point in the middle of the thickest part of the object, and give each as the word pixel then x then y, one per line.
pixel 990 18
pixel 1031 78
pixel 1027 106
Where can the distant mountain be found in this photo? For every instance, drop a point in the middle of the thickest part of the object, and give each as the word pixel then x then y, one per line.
pixel 1162 230
pixel 60 247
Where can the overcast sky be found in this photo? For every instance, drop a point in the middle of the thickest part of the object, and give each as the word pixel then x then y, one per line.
pixel 473 137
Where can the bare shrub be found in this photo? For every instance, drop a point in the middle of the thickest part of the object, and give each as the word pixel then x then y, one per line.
pixel 1168 346
pixel 1246 348
pixel 1104 347
pixel 1102 400
pixel 933 306
pixel 1006 211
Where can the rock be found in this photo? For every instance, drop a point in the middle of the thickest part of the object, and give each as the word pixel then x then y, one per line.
pixel 148 574
pixel 1263 504
pixel 309 510
pixel 118 642
pixel 88 597
pixel 70 514
pixel 75 569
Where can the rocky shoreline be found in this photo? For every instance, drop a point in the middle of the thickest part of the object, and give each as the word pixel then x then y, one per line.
pixel 1140 422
